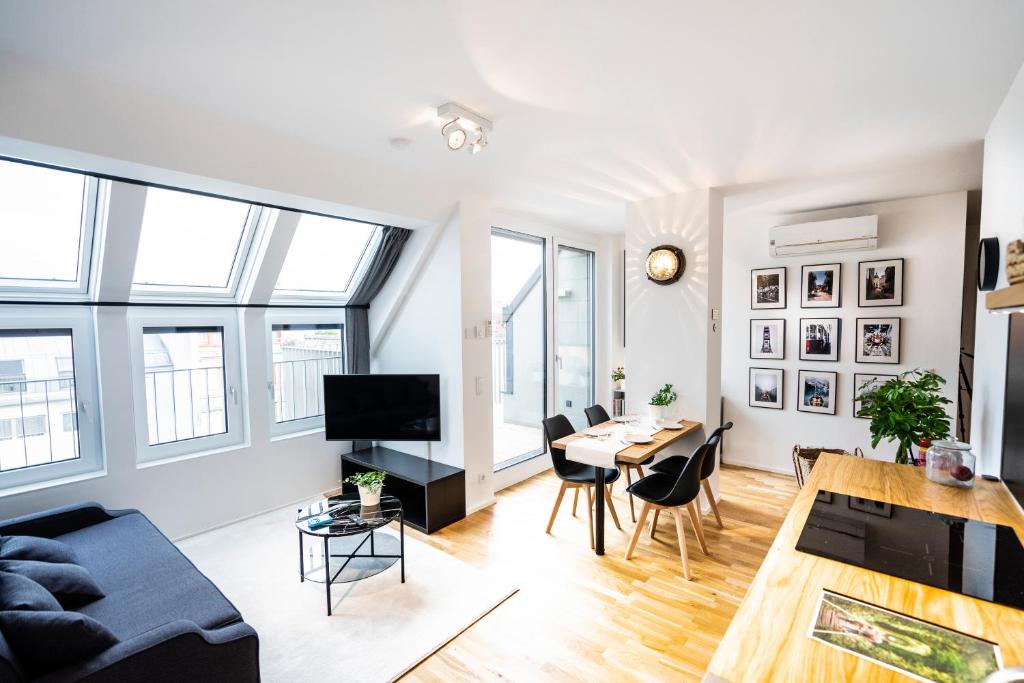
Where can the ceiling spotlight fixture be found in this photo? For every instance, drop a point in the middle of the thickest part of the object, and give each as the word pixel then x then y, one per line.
pixel 462 126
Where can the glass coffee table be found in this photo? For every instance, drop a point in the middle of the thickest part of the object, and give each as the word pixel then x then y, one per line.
pixel 352 530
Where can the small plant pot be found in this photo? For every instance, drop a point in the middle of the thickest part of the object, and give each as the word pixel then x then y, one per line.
pixel 368 498
pixel 657 412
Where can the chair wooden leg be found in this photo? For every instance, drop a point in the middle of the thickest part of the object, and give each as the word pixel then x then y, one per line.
pixel 629 482
pixel 654 521
pixel 558 502
pixel 575 500
pixel 590 517
pixel 638 530
pixel 711 500
pixel 681 534
pixel 611 507
pixel 698 526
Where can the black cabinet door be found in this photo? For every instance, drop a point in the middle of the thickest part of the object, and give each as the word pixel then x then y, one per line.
pixel 1013 411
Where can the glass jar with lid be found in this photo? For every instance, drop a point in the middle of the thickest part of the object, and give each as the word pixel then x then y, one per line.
pixel 951 463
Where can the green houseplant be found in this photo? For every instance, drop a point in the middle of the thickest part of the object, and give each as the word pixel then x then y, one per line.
pixel 370 484
pixel 660 402
pixel 906 409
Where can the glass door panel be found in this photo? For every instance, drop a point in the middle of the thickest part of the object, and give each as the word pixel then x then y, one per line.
pixel 574 333
pixel 518 346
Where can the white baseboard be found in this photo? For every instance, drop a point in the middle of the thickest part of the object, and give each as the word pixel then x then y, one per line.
pixel 760 466
pixel 480 506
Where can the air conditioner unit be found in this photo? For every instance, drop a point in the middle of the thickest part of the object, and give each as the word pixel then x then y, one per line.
pixel 824 237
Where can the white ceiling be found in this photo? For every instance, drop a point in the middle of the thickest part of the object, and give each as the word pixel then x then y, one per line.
pixel 594 103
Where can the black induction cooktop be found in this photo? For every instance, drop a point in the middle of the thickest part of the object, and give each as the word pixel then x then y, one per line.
pixel 979 559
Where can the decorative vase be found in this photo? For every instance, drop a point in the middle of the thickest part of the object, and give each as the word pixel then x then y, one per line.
pixel 951 463
pixel 368 498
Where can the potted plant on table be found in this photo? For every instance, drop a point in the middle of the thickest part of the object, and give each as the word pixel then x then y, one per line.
pixel 660 402
pixel 906 409
pixel 370 484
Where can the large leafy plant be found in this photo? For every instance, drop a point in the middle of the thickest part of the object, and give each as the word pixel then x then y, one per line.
pixel 906 409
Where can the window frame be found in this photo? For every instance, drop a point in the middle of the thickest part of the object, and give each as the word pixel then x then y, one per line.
pixel 256 221
pixel 314 296
pixel 235 409
pixel 297 317
pixel 94 211
pixel 91 456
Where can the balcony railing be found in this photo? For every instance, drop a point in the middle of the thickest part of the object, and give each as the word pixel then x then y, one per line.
pixel 299 388
pixel 185 403
pixel 34 427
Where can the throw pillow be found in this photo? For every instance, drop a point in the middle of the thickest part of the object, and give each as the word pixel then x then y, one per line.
pixel 35 548
pixel 71 584
pixel 22 593
pixel 45 641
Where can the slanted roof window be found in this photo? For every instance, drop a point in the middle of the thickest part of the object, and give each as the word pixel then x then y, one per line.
pixel 46 228
pixel 192 243
pixel 325 258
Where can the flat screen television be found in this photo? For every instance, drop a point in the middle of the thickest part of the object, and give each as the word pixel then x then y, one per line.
pixel 382 407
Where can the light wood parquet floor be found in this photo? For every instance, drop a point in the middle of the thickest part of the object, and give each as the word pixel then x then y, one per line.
pixel 582 617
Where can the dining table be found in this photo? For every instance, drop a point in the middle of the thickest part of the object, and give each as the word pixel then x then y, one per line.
pixel 629 454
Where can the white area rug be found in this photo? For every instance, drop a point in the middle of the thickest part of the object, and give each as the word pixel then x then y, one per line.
pixel 380 628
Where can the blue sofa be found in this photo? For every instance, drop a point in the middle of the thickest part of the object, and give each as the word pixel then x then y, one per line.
pixel 172 622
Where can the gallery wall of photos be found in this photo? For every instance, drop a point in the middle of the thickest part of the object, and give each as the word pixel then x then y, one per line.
pixel 818 339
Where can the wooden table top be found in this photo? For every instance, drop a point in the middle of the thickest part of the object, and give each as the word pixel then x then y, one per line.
pixel 767 639
pixel 637 453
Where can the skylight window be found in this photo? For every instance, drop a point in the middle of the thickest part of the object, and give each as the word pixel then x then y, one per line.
pixel 46 227
pixel 325 257
pixel 192 242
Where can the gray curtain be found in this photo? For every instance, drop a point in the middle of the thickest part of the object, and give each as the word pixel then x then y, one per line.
pixel 357 321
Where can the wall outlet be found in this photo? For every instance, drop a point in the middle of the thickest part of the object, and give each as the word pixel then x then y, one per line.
pixel 481 478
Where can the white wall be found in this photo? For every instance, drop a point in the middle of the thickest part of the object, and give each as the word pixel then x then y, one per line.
pixel 928 232
pixel 670 334
pixel 1002 216
pixel 194 494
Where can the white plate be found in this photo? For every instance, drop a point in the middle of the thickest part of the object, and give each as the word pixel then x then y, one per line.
pixel 624 418
pixel 665 424
pixel 597 431
pixel 638 438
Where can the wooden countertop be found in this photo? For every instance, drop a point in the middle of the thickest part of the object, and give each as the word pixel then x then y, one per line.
pixel 767 639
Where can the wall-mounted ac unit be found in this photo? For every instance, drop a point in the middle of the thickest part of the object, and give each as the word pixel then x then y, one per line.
pixel 823 237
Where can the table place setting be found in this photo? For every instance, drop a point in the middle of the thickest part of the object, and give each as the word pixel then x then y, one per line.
pixel 600 444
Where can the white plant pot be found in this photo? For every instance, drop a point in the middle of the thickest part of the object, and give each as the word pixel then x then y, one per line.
pixel 657 412
pixel 368 498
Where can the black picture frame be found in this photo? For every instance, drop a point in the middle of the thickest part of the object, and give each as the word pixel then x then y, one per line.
pixel 836 292
pixel 859 378
pixel 833 383
pixel 779 403
pixel 898 266
pixel 859 338
pixel 782 339
pixel 780 271
pixel 837 336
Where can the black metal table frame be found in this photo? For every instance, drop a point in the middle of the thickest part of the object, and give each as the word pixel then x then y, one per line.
pixel 328 579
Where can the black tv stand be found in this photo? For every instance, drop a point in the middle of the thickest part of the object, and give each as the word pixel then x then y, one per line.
pixel 433 494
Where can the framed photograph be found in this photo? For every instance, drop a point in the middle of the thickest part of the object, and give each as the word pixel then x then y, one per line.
pixel 869 383
pixel 880 283
pixel 766 388
pixel 768 288
pixel 820 286
pixel 768 339
pixel 918 649
pixel 819 339
pixel 817 392
pixel 878 340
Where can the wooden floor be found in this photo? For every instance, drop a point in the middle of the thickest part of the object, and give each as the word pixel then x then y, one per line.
pixel 579 616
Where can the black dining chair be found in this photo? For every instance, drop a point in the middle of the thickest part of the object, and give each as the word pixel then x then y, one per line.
pixel 675 463
pixel 575 475
pixel 596 414
pixel 663 491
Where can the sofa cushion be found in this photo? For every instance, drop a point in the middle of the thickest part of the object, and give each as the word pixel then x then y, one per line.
pixel 69 583
pixel 147 580
pixel 44 641
pixel 22 593
pixel 35 548
pixel 10 666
